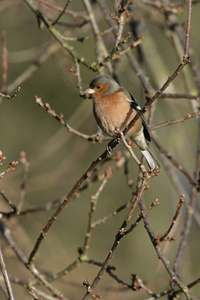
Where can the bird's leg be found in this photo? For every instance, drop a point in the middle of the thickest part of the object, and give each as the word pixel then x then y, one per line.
pixel 109 147
pixel 129 148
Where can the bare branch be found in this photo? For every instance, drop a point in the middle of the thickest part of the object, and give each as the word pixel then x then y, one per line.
pixel 61 14
pixel 172 122
pixel 5 276
pixel 166 235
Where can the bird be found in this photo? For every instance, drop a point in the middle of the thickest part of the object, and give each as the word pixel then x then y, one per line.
pixel 114 108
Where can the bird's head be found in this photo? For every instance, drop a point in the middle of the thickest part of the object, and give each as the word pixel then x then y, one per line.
pixel 102 85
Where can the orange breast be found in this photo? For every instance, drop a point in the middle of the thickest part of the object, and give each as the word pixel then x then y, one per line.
pixel 111 112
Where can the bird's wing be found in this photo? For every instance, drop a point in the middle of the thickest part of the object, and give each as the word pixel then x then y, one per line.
pixel 134 104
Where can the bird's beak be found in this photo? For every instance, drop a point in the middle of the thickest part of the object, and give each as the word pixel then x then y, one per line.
pixel 89 92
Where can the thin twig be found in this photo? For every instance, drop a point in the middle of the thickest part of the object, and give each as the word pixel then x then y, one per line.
pixel 12 205
pixel 10 96
pixel 61 14
pixel 10 168
pixel 166 235
pixel 114 213
pixel 121 21
pixel 75 14
pixel 187 35
pixel 142 215
pixel 59 118
pixel 117 52
pixel 129 148
pixel 179 96
pixel 6 276
pixel 86 38
pixel 78 74
pixel 176 121
pixel 94 199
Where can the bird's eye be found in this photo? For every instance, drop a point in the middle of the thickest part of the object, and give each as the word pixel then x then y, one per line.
pixel 98 87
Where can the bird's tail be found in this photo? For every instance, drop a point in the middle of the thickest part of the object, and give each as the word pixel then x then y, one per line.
pixel 152 162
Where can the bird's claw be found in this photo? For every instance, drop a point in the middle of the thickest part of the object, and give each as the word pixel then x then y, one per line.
pixel 109 149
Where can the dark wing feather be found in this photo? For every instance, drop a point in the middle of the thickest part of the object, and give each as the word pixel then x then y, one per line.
pixel 146 130
pixel 136 106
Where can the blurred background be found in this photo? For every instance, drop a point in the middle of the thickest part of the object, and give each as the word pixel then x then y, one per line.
pixel 41 67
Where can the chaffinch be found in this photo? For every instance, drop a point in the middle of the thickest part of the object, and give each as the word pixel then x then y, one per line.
pixel 114 108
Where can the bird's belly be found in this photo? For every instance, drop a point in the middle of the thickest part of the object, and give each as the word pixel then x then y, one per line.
pixel 109 120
